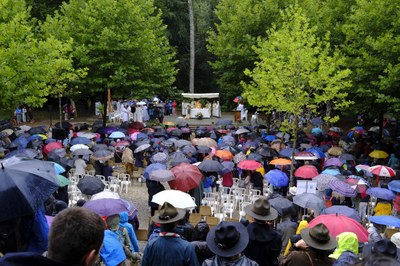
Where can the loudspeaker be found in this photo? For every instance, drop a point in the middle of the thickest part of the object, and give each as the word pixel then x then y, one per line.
pixel 58 133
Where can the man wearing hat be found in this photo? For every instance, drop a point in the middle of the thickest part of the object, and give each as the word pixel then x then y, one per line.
pixel 265 243
pixel 169 248
pixel 318 245
pixel 227 241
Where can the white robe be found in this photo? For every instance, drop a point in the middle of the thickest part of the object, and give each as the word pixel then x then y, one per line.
pixel 138 115
pixel 125 113
pixel 146 116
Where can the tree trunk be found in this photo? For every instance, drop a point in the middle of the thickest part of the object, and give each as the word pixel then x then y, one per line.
pixel 60 108
pixel 296 125
pixel 191 29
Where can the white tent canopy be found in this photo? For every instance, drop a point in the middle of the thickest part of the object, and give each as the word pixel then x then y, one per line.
pixel 200 95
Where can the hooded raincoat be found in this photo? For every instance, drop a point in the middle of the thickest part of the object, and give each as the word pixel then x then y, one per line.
pixel 347 249
pixel 124 223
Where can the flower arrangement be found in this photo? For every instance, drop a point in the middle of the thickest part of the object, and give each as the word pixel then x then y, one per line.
pixel 199 116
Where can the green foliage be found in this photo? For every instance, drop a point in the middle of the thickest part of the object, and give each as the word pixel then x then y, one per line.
pixel 296 70
pixel 373 48
pixel 240 23
pixel 32 68
pixel 122 43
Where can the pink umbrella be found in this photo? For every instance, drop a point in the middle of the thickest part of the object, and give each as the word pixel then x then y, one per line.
pixel 306 172
pixel 249 165
pixel 338 224
pixel 382 170
pixel 121 143
pixel 52 146
pixel 187 177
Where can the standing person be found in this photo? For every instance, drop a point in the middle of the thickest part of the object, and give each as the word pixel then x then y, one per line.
pixel 72 109
pixel 125 111
pixel 169 248
pixel 127 160
pixel 70 243
pixel 286 228
pixel 227 241
pixel 174 104
pixel 146 116
pixel 257 179
pixel 80 165
pixel 161 114
pixel 153 187
pixel 265 243
pixel 240 108
pixel 18 115
pixel 316 245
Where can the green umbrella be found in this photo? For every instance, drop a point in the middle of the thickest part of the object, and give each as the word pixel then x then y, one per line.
pixel 63 181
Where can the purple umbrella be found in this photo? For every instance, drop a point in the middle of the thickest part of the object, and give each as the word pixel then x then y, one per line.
pixel 333 162
pixel 381 193
pixel 106 207
pixel 277 178
pixel 344 210
pixel 342 188
pixel 185 130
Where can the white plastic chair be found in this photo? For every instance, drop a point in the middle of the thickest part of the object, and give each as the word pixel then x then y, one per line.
pixel 124 181
pixel 244 117
pixel 114 184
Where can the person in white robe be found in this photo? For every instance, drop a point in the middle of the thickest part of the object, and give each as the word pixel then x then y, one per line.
pixel 125 110
pixel 146 116
pixel 138 115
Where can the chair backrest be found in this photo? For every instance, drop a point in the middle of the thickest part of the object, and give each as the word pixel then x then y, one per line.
pixel 205 210
pixel 124 177
pixel 195 218
pixel 141 234
pixel 212 220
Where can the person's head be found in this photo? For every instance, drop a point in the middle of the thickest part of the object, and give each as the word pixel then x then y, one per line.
pixel 200 231
pixel 347 241
pixel 169 216
pixel 384 247
pixel 396 239
pixel 76 236
pixel 228 239
pixel 261 210
pixel 318 238
pixel 113 221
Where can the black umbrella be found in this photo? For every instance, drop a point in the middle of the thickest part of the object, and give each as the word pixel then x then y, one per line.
pixel 267 152
pixel 201 132
pixel 255 156
pixel 210 166
pixel 25 185
pixel 183 124
pixel 347 157
pixel 176 132
pixel 90 185
pixel 203 149
pixel 159 133
pixel 63 124
pixel 99 147
pixel 37 130
pixel 167 143
pixel 179 161
pixel 283 206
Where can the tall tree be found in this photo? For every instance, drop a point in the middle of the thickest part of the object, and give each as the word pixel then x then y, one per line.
pixel 296 71
pixel 373 48
pixel 123 44
pixel 240 23
pixel 192 47
pixel 32 68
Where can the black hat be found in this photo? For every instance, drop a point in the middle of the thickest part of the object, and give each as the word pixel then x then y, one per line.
pixel 228 239
pixel 318 237
pixel 385 247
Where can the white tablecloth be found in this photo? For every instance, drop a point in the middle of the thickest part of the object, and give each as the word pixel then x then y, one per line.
pixel 205 111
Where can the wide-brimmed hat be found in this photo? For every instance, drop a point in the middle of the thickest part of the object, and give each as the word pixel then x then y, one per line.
pixel 385 247
pixel 318 237
pixel 396 239
pixel 168 214
pixel 261 210
pixel 228 239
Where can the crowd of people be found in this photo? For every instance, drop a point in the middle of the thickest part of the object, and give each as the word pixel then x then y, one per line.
pixel 266 236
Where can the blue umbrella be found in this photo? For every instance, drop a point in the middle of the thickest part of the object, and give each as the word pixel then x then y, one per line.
pixel 385 220
pixel 316 131
pixel 287 152
pixel 394 185
pixel 21 142
pixel 344 210
pixel 317 121
pixel 330 171
pixel 270 137
pixel 381 193
pixel 153 167
pixel 317 152
pixel 79 140
pixel 27 153
pixel 277 178
pixel 228 139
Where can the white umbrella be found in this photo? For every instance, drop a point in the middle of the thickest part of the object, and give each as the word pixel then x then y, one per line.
pixel 88 135
pixel 105 195
pixel 78 146
pixel 177 198
pixel 117 135
pixel 241 131
pixel 142 148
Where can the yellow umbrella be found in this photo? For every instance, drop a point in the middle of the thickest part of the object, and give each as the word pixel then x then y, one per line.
pixel 378 154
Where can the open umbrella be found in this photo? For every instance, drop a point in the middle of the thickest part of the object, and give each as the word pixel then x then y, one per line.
pixel 162 175
pixel 255 156
pixel 182 142
pixel 90 185
pixel 317 121
pixel 27 153
pixel 56 154
pixel 323 180
pixel 282 205
pixel 343 210
pixel 51 146
pixel 63 181
pixel 277 178
pixel 187 177
pixel 306 172
pixel 25 185
pixel 98 147
pixel 249 165
pixel 317 152
pixel 83 152
pixel 117 135
pixel 237 99
pixel 333 162
pixel 239 157
pixel 142 148
pixel 338 224
pixel 78 146
pixel 210 166
pixel 304 155
pixel 241 131
pixel 102 155
pixel 106 206
pixel 189 149
pixel 385 220
pixel 342 188
pixel 359 184
pixel 267 152
pixel 105 195
pixel 79 140
pixel 228 139
pixel 280 161
pixel 377 154
pixel 203 149
pixel 177 198
pixel 381 193
pixel 347 157
pixel 335 151
pixel 224 154
pixel 152 167
pixel 159 157
pixel 287 152
pixel 394 185
pixel 382 170
pixel 309 201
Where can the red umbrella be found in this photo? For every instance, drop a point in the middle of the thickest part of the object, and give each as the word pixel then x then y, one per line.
pixel 306 172
pixel 382 170
pixel 52 146
pixel 338 224
pixel 187 177
pixel 136 125
pixel 249 165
